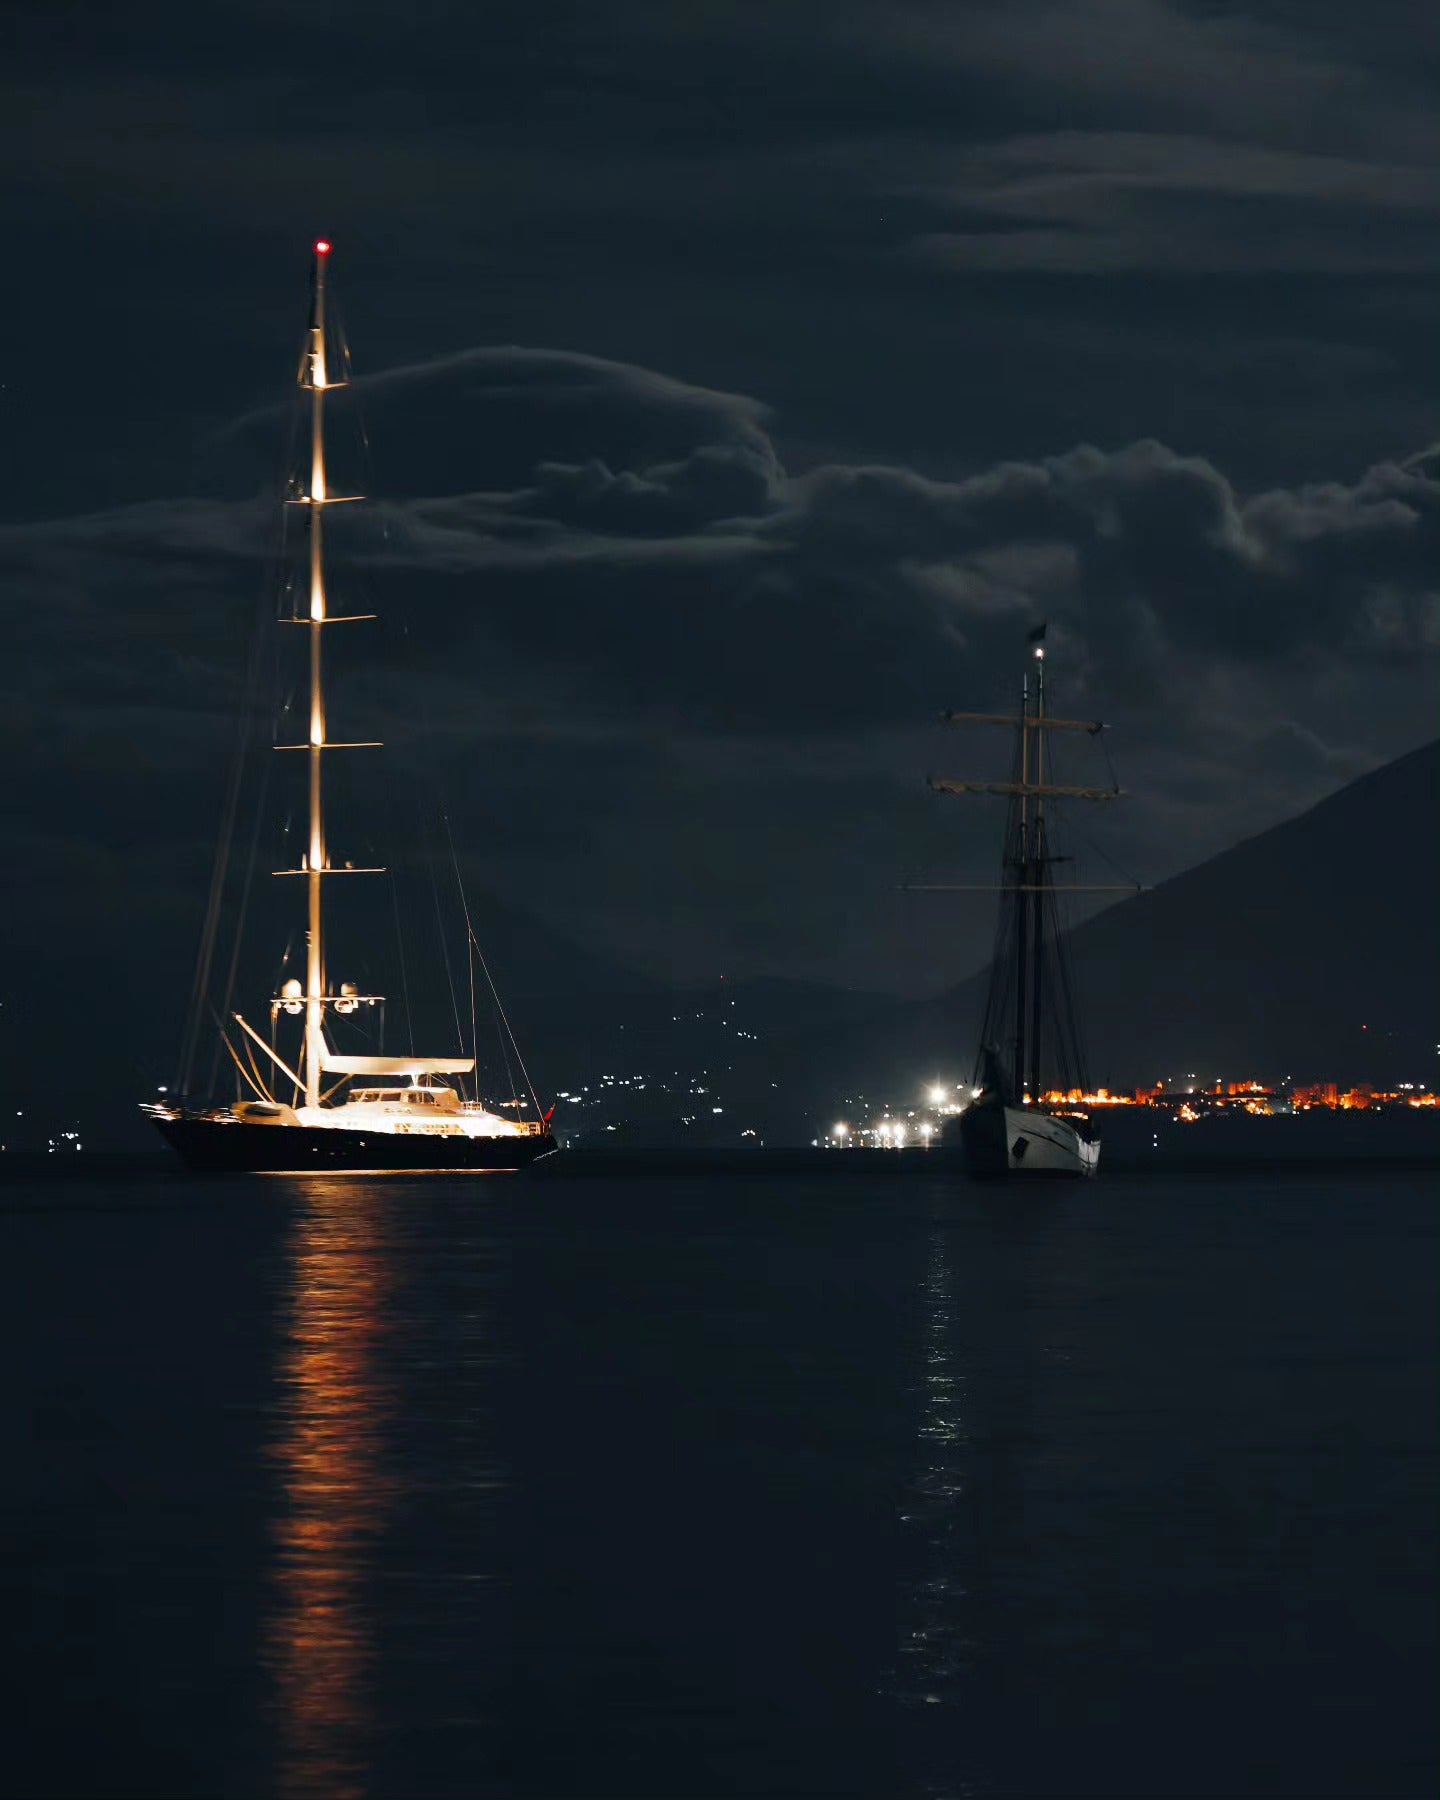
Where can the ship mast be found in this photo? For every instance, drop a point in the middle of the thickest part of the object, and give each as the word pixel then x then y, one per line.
pixel 315 864
pixel 1026 884
pixel 1040 865
pixel 1022 894
pixel 313 375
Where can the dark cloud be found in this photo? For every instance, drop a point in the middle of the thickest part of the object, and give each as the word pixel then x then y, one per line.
pixel 672 637
pixel 714 573
pixel 663 572
pixel 503 416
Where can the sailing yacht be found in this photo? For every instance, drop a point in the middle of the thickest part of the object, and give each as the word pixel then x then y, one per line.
pixel 323 1109
pixel 1021 1120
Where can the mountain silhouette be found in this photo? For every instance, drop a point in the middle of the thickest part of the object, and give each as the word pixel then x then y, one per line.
pixel 1308 951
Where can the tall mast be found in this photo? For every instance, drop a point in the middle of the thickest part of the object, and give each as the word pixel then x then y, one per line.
pixel 1039 862
pixel 314 376
pixel 1026 883
pixel 1042 1022
pixel 1022 882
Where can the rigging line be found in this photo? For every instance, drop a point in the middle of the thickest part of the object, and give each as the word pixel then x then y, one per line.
pixel 230 809
pixel 247 888
pixel 218 875
pixel 1109 764
pixel 400 613
pixel 281 581
pixel 1105 857
pixel 500 1042
pixel 500 1010
pixel 474 1022
pixel 401 617
pixel 1048 1025
pixel 472 942
pixel 469 954
pixel 385 788
pixel 223 1037
pixel 440 931
pixel 369 478
pixel 404 974
pixel 1070 1029
pixel 1065 1025
pixel 1090 843
pixel 352 388
pixel 240 1067
pixel 262 651
pixel 1069 1055
pixel 255 1069
pixel 472 949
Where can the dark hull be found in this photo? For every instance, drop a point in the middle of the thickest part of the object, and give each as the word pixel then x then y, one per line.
pixel 216 1147
pixel 982 1140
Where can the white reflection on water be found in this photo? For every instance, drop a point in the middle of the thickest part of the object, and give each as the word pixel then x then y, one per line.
pixel 334 1403
pixel 936 1650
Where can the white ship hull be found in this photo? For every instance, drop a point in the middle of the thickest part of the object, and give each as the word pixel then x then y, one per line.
pixel 1021 1141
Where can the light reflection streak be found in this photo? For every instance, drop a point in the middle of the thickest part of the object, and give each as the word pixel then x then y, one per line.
pixel 335 1401
pixel 937 1655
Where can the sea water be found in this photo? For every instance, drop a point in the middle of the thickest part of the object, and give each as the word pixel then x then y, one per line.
pixel 739 1485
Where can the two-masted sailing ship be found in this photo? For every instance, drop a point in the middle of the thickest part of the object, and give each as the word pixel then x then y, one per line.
pixel 1025 1117
pixel 311 1107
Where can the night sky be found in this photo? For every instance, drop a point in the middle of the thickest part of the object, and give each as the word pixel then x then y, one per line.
pixel 743 381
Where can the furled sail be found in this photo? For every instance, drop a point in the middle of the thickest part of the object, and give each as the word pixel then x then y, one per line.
pixel 396 1065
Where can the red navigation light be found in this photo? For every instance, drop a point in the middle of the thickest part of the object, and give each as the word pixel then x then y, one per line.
pixel 322 248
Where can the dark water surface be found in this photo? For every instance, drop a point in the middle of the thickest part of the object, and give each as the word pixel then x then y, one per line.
pixel 767 1486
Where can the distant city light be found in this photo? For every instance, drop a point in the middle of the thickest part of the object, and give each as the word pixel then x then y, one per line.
pixel 939 1095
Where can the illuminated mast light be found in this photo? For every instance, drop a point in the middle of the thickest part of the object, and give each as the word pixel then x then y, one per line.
pixel 314 957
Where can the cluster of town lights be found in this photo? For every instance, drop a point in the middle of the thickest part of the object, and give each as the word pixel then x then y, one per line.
pixel 893 1130
pixel 890 1134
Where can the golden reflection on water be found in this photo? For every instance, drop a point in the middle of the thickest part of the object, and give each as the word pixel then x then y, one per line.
pixel 334 1402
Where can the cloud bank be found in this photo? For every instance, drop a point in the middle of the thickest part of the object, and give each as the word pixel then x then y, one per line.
pixel 636 576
